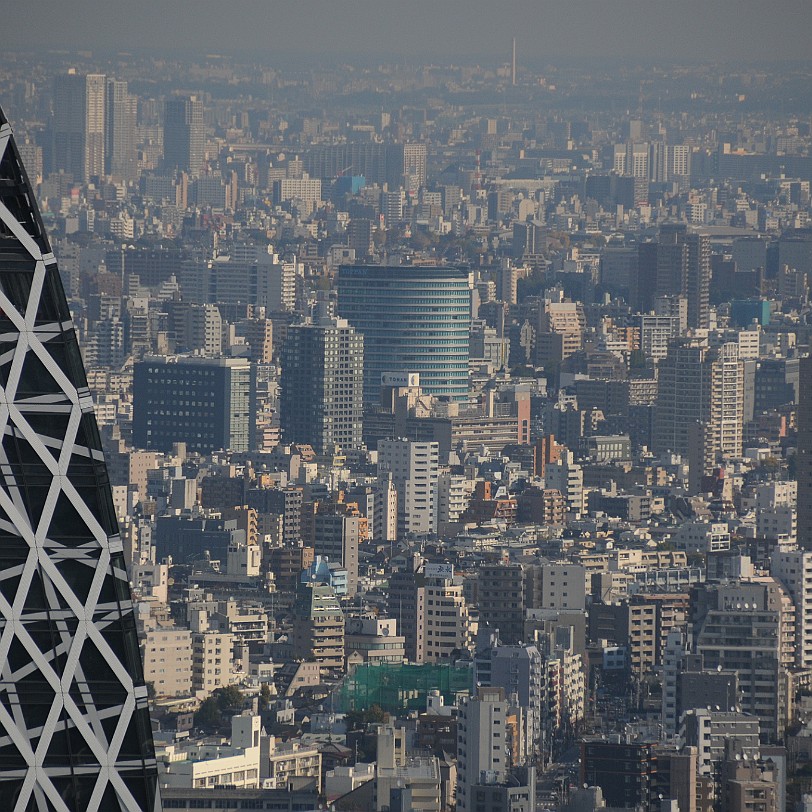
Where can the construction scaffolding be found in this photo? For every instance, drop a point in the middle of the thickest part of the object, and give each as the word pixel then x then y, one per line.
pixel 398 688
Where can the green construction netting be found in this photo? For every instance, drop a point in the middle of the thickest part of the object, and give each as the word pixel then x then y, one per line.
pixel 398 688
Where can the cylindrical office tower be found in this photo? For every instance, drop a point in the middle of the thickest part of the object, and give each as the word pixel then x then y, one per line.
pixel 413 319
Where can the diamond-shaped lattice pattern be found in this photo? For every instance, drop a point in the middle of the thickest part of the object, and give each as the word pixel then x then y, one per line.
pixel 74 729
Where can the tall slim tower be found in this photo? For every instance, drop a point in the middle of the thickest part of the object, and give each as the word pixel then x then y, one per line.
pixel 184 134
pixel 323 385
pixel 78 130
pixel 696 273
pixel 700 403
pixel 74 724
pixel 513 64
pixel 120 120
pixel 483 746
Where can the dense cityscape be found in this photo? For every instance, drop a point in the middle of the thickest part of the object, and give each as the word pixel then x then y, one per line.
pixel 457 422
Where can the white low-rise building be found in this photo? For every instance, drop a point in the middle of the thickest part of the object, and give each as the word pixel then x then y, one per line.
pixel 201 765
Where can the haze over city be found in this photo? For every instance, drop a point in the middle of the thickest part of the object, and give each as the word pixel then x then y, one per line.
pixel 425 30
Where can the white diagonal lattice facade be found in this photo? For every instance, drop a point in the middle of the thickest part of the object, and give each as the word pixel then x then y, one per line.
pixel 74 725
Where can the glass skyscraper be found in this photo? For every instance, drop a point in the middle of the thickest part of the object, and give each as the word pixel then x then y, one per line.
pixel 184 134
pixel 413 319
pixel 74 724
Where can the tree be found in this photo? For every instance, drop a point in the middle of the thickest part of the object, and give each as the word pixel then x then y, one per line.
pixel 229 699
pixel 264 696
pixel 359 719
pixel 208 716
pixel 637 359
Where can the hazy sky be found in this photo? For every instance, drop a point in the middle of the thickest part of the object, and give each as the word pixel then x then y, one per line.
pixel 431 30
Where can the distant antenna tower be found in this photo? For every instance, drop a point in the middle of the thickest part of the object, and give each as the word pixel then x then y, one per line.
pixel 513 64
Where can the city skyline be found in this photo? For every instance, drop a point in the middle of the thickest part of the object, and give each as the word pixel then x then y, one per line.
pixel 452 445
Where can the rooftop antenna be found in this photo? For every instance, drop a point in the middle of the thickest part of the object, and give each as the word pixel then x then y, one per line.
pixel 513 65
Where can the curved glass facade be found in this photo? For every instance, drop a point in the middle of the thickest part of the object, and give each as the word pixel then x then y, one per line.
pixel 74 724
pixel 413 319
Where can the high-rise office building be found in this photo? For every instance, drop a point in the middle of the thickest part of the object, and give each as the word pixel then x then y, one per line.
pixel 184 134
pixel 206 403
pixel 804 456
pixel 78 126
pixel 74 723
pixel 322 385
pixel 121 112
pixel 413 319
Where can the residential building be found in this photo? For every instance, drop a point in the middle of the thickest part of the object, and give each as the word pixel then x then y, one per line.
pixel 793 568
pixel 406 602
pixel 485 774
pixel 280 762
pixel 167 653
pixel 415 471
pixel 749 627
pixel 211 659
pixel 375 639
pixel 502 597
pixel 625 771
pixel 449 625
pixel 204 765
pixel 321 399
pixel 804 458
pixel 318 626
pixel 121 112
pixel 700 404
pixel 336 537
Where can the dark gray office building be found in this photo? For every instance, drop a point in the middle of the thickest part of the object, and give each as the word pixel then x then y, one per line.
pixel 207 403
pixel 184 134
